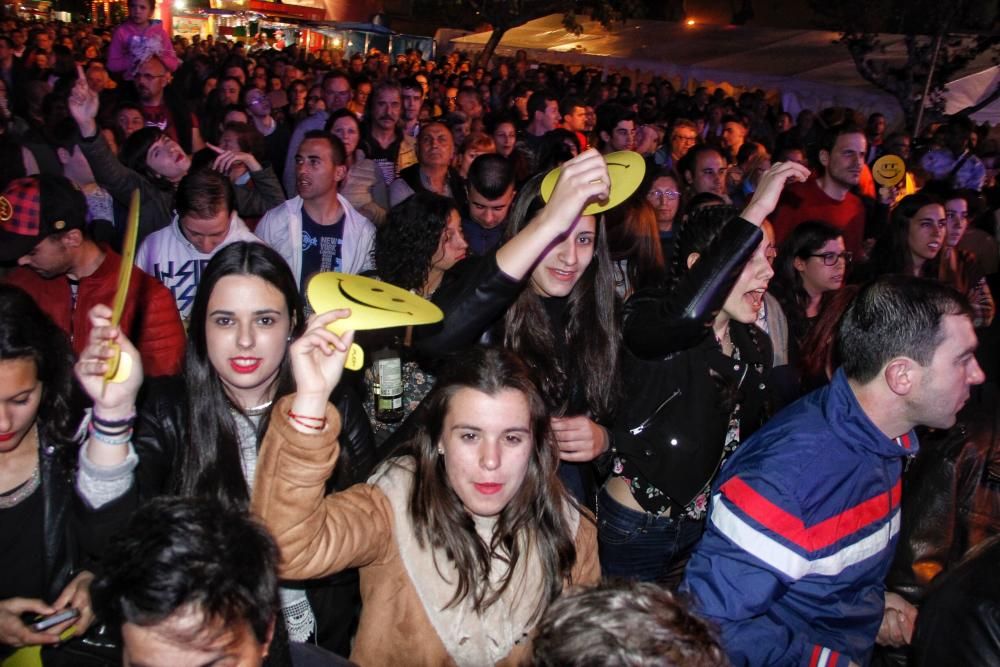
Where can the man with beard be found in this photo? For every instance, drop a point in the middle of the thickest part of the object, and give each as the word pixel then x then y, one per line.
pixel 161 110
pixel 319 230
pixel 391 149
pixel 828 197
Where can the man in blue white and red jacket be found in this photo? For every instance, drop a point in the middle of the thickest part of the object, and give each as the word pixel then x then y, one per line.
pixel 805 515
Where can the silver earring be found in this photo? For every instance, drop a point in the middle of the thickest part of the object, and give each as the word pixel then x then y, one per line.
pixel 440 450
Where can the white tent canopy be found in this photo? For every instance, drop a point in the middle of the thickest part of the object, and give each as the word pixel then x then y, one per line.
pixel 970 90
pixel 806 68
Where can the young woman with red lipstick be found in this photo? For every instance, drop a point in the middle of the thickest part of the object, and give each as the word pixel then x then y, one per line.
pixel 462 540
pixel 547 294
pixel 46 537
pixel 696 371
pixel 198 435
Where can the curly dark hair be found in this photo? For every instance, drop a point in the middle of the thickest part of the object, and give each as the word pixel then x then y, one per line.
pixel 406 243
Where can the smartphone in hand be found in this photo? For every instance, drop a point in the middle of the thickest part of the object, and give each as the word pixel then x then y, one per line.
pixel 45 622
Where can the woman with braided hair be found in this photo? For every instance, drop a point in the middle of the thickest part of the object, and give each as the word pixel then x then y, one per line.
pixel 695 368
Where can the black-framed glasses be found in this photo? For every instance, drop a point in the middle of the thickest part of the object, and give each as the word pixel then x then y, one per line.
pixel 658 195
pixel 831 258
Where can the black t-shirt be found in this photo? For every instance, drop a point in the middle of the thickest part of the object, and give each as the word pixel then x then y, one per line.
pixel 321 247
pixel 22 544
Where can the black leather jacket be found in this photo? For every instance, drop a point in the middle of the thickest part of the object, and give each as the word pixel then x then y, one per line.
pixel 161 430
pixel 951 499
pixel 679 388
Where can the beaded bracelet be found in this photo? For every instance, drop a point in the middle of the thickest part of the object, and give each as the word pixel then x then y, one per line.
pixel 303 421
pixel 122 438
pixel 107 425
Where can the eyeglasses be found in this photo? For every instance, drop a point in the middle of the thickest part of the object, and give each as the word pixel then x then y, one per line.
pixel 659 195
pixel 149 77
pixel 682 139
pixel 258 101
pixel 831 258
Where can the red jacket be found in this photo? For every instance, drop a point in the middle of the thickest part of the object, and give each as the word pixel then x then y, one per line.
pixel 150 319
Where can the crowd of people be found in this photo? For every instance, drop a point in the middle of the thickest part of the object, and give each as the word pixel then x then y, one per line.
pixel 747 415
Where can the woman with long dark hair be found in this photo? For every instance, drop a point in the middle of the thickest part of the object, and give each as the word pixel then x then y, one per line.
pixel 198 435
pixel 46 542
pixel 811 262
pixel 696 368
pixel 548 295
pixel 462 541
pixel 912 243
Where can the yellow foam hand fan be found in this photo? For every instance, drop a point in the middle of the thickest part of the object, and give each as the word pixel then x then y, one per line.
pixel 120 365
pixel 625 169
pixel 373 303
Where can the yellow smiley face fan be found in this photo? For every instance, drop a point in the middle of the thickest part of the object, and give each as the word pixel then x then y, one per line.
pixel 373 303
pixel 625 169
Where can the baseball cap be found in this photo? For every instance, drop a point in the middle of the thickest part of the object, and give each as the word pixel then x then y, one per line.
pixel 35 207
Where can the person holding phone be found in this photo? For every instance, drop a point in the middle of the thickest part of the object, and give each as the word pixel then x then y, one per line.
pixel 44 538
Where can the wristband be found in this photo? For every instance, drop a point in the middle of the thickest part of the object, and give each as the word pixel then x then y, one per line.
pixel 106 438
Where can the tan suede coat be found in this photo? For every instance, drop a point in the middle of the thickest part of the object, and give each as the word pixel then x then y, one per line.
pixel 320 535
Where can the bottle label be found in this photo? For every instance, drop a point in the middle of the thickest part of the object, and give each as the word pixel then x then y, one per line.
pixel 390 378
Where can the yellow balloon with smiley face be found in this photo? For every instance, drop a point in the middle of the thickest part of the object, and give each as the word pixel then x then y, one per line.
pixel 373 303
pixel 889 170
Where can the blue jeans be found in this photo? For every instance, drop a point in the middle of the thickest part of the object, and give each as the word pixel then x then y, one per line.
pixel 643 546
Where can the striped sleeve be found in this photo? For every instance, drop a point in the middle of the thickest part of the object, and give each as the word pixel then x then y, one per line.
pixel 756 548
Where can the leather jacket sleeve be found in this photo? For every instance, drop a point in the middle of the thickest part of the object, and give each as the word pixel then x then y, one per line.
pixel 356 438
pixel 659 321
pixel 473 299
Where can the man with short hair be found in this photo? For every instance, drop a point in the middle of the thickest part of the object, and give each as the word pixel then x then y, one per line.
pixel 574 118
pixel 319 230
pixel 490 192
pixel 954 162
pixel 704 170
pixel 543 116
pixel 152 79
pixel 623 624
pixel 205 221
pixel 683 137
pixel 189 581
pixel 67 272
pixel 433 172
pixel 388 147
pixel 615 128
pixel 337 92
pixel 734 134
pixel 804 516
pixel 470 104
pixel 828 197
pixel 413 99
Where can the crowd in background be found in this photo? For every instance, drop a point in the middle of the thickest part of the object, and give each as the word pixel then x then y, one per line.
pixel 624 356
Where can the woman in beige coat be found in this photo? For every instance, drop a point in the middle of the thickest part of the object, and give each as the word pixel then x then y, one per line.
pixel 462 542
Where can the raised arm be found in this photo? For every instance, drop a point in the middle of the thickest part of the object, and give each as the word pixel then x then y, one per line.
pixel 107 459
pixel 317 535
pixel 660 321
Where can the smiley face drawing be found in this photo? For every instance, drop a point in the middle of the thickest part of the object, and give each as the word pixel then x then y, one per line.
pixel 889 170
pixel 373 303
pixel 625 169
